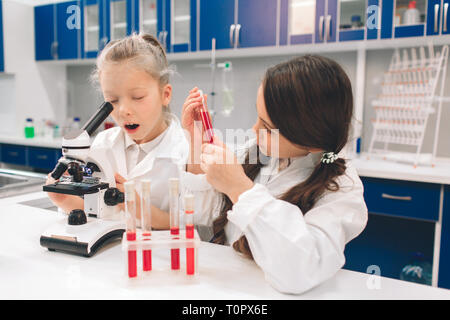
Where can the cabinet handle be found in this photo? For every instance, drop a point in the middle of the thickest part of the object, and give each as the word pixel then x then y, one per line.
pixel 54 50
pixel 321 28
pixel 328 27
pixel 436 14
pixel 13 153
pixel 445 16
pixel 238 35
pixel 42 157
pixel 232 28
pixel 388 196
pixel 164 39
pixel 103 42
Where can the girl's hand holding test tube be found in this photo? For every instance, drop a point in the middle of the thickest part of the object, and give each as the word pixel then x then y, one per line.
pixel 220 164
pixel 223 171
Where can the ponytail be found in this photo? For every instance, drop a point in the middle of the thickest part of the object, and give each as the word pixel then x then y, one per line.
pixel 304 195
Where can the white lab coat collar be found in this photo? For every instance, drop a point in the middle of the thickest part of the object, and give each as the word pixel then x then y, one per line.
pixel 172 147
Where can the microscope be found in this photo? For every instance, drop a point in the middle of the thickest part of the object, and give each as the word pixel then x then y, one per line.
pixel 90 176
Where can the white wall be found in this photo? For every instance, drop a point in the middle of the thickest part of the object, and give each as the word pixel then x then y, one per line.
pixel 38 90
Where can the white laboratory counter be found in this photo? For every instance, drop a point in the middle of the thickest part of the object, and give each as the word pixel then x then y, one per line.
pixel 32 142
pixel 29 271
pixel 377 168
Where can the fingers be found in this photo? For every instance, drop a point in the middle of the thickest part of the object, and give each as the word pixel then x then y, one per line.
pixel 191 98
pixel 119 181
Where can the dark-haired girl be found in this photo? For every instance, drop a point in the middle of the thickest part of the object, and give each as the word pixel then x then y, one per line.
pixel 294 212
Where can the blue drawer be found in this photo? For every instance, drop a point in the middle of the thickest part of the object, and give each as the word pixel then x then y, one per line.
pixel 402 198
pixel 42 158
pixel 14 154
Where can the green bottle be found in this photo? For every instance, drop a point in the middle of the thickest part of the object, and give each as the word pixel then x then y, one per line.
pixel 29 128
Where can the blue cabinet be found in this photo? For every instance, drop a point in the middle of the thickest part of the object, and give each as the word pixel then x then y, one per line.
pixel 95 28
pixel 36 157
pixel 183 25
pixel 217 21
pixel 402 198
pixel 326 21
pixel 402 217
pixel 2 59
pixel 252 25
pixel 444 254
pixel 14 154
pixel 431 20
pixel 257 23
pixel 297 21
pixel 44 32
pixel 352 19
pixel 68 24
pixel 58 31
pixel 445 17
pixel 42 158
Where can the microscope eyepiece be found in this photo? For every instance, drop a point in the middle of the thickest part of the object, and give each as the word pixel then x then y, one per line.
pixel 96 120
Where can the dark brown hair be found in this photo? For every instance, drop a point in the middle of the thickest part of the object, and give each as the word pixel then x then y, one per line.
pixel 309 100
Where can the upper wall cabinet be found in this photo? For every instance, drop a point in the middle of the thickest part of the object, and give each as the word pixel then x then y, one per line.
pixel 406 18
pixel 183 25
pixel 326 21
pixel 96 22
pixel 352 19
pixel 58 31
pixel 2 60
pixel 297 21
pixel 172 22
pixel 238 23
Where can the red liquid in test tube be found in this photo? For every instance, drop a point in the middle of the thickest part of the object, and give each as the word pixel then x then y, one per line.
pixel 146 223
pixel 132 266
pixel 190 252
pixel 206 121
pixel 174 220
pixel 175 253
pixel 130 216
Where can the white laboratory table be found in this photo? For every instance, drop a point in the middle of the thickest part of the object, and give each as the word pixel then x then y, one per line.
pixel 29 271
pixel 377 168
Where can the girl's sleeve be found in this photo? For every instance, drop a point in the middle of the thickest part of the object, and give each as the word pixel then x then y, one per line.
pixel 208 201
pixel 297 252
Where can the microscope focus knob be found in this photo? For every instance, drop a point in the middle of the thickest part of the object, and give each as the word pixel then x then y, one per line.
pixel 113 196
pixel 77 217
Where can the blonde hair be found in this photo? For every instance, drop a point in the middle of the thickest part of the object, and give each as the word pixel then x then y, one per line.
pixel 141 50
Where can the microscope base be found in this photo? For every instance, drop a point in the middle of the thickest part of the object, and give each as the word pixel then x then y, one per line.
pixel 84 240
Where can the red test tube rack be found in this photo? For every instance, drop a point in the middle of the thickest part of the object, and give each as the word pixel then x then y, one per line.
pixel 164 240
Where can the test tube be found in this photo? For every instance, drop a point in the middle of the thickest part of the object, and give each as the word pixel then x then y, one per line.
pixel 206 121
pixel 189 202
pixel 174 220
pixel 130 217
pixel 146 222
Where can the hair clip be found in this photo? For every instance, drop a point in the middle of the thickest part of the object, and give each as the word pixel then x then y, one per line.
pixel 329 157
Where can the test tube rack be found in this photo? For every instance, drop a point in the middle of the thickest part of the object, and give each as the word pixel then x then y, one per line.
pixel 408 97
pixel 163 240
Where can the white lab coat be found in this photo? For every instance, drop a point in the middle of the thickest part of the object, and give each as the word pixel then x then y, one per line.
pixel 295 251
pixel 161 163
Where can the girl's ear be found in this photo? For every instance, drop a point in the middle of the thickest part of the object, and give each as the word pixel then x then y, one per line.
pixel 167 94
